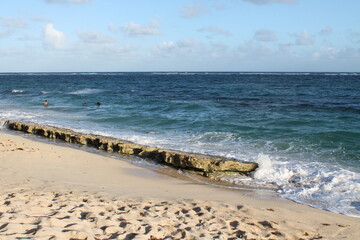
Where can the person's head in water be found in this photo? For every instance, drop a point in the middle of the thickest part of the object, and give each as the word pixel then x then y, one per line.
pixel 46 103
pixel 98 104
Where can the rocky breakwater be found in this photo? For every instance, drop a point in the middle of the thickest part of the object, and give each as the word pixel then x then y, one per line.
pixel 202 163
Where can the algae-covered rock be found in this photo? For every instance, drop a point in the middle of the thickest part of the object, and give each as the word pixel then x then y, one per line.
pixel 208 163
pixel 235 166
pixel 131 148
pixel 203 163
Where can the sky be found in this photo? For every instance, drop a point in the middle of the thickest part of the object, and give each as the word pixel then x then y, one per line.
pixel 179 35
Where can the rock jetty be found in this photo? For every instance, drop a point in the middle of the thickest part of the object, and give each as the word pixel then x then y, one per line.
pixel 178 159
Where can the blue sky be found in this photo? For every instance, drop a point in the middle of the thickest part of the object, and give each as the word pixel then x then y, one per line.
pixel 179 35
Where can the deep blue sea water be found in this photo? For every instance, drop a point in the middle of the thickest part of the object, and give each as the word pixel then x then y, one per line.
pixel 302 128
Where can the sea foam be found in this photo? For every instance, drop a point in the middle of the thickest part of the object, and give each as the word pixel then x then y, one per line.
pixel 316 184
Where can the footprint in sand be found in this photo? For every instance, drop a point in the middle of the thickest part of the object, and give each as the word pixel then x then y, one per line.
pixel 54 215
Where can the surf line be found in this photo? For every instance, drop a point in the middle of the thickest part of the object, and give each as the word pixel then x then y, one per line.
pixel 206 165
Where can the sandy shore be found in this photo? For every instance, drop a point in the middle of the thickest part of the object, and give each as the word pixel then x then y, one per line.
pixel 54 192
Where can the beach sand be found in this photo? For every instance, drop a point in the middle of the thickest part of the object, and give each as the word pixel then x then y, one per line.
pixel 49 191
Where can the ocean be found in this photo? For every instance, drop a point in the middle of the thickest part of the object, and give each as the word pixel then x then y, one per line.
pixel 302 128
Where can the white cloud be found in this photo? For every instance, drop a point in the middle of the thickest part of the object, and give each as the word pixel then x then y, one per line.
pixel 251 49
pixel 189 52
pixel 184 47
pixel 28 37
pixel 5 33
pixel 218 50
pixel 285 48
pixel 13 23
pixel 136 30
pixel 68 1
pixel 215 30
pixel 269 1
pixel 40 19
pixel 113 28
pixel 94 37
pixel 219 6
pixel 187 43
pixel 348 53
pixel 191 55
pixel 181 44
pixel 105 51
pixel 304 39
pixel 354 36
pixel 10 26
pixel 167 45
pixel 53 38
pixel 326 31
pixel 117 50
pixel 194 10
pixel 324 53
pixel 265 35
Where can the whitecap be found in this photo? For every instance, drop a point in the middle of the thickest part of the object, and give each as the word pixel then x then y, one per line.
pixel 17 91
pixel 43 92
pixel 86 91
pixel 88 73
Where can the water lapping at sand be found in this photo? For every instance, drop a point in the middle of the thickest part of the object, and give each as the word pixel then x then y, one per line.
pixel 302 128
pixel 319 185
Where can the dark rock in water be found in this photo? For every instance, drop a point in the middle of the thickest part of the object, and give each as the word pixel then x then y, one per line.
pixel 203 163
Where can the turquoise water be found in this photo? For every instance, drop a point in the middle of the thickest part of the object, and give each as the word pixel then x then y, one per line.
pixel 302 128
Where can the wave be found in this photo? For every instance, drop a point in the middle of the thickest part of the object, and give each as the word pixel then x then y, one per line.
pixel 343 74
pixel 86 91
pixel 84 73
pixel 43 92
pixel 315 184
pixel 17 91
